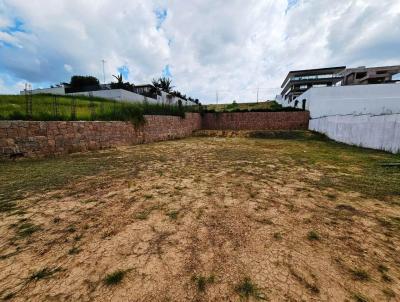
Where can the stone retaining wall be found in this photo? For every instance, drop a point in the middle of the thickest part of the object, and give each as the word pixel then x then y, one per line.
pixel 41 139
pixel 256 121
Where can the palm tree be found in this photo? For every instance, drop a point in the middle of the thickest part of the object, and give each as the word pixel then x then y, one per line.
pixel 163 84
pixel 119 78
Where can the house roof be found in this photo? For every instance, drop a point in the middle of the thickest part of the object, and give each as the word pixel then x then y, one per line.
pixel 144 85
pixel 315 71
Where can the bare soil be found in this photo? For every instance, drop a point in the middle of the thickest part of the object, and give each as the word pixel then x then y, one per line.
pixel 203 219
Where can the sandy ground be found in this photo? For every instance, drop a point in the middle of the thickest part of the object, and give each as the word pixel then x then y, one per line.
pixel 201 219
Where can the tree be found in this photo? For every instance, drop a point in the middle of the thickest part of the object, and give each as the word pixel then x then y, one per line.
pixel 121 84
pixel 119 78
pixel 79 82
pixel 163 84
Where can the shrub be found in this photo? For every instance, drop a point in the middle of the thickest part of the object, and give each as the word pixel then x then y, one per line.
pixel 115 277
pixel 79 83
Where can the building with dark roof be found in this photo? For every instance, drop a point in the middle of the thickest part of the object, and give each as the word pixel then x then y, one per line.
pixel 299 81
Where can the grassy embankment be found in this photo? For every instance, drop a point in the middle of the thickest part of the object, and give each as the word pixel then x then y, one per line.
pixel 237 107
pixel 47 107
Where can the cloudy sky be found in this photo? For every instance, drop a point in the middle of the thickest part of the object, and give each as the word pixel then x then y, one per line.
pixel 206 46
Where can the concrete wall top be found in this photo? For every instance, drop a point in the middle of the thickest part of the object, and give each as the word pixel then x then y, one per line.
pixel 54 90
pixel 356 100
pixel 117 94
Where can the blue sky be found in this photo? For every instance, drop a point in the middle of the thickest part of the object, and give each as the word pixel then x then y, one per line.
pixel 204 46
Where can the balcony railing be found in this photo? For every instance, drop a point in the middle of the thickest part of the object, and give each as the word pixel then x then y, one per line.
pixel 316 77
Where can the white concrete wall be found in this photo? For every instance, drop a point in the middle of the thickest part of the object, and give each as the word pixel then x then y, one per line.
pixel 55 90
pixel 362 115
pixel 355 100
pixel 117 94
pixel 370 131
pixel 163 98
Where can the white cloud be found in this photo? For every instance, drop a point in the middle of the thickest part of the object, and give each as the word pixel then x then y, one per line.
pixel 10 86
pixel 68 68
pixel 210 45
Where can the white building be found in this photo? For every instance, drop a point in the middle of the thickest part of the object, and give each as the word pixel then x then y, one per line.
pixel 362 115
pixel 115 94
pixel 355 100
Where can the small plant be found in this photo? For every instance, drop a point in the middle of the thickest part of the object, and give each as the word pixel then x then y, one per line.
pixel 266 221
pixel 383 268
pixel 247 289
pixel 331 196
pixel 277 236
pixel 346 207
pixel 313 236
pixel 360 298
pixel 386 278
pixel 71 229
pixel 142 215
pixel 8 296
pixel 115 277
pixel 74 251
pixel 202 282
pixel 173 214
pixel 26 229
pixel 360 275
pixel 43 273
pixel 388 292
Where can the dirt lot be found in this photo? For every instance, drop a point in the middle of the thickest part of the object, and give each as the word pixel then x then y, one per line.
pixel 203 219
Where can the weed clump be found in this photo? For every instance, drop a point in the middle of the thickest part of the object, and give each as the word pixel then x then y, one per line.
pixel 360 275
pixel 173 215
pixel 43 273
pixel 27 229
pixel 313 236
pixel 115 277
pixel 202 282
pixel 246 289
pixel 360 298
pixel 73 251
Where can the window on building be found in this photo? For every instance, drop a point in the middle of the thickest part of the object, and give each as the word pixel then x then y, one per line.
pixel 360 75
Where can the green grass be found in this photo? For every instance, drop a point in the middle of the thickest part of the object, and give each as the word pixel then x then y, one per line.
pixel 26 229
pixel 202 282
pixel 115 277
pixel 234 107
pixel 173 215
pixel 45 175
pixel 344 167
pixel 246 289
pixel 13 107
pixel 19 180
